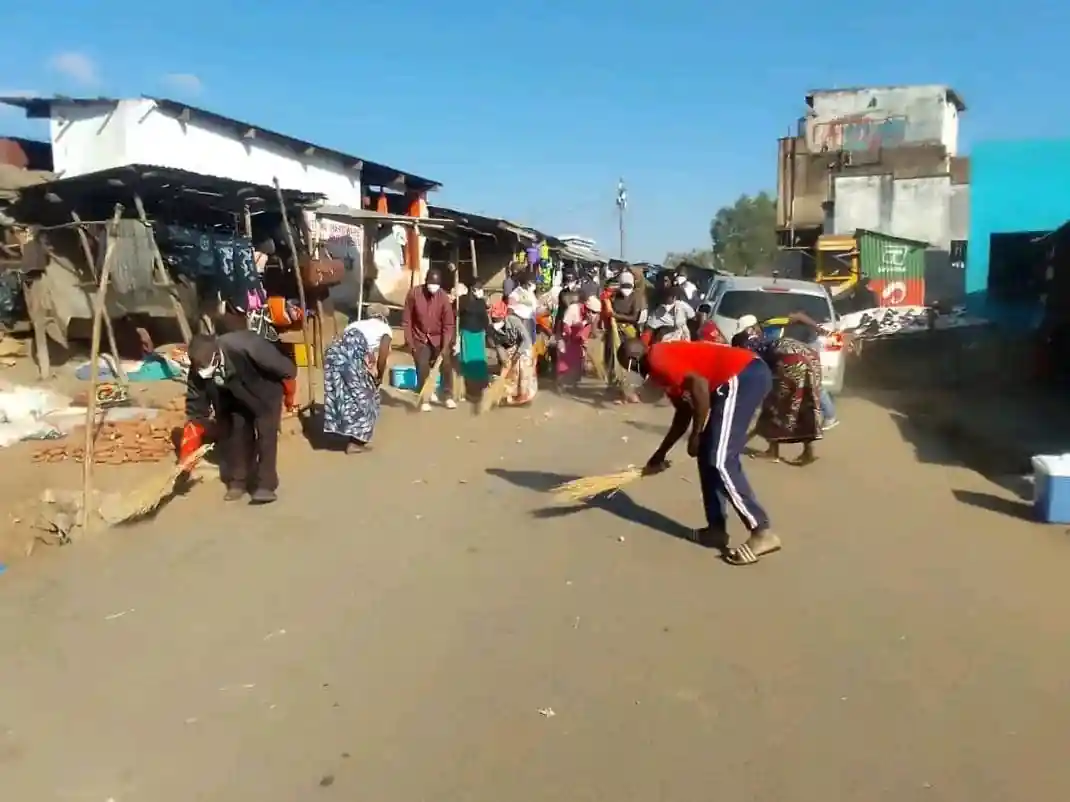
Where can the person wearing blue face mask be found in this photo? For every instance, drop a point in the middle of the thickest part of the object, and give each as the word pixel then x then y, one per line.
pixel 245 380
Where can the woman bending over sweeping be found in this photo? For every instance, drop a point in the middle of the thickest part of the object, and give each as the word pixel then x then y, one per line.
pixel 353 370
pixel 511 340
pixel 573 332
pixel 791 413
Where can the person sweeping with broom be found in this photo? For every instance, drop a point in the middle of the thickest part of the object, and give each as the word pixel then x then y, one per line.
pixel 244 380
pixel 518 383
pixel 717 390
pixel 430 324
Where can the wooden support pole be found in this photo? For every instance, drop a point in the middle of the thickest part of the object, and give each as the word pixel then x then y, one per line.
pixel 39 321
pixel 163 276
pixel 472 250
pixel 94 372
pixel 108 327
pixel 413 259
pixel 288 231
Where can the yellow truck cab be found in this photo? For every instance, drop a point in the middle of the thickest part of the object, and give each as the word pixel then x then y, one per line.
pixel 837 264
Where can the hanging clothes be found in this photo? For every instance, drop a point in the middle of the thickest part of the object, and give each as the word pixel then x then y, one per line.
pixel 133 259
pixel 237 279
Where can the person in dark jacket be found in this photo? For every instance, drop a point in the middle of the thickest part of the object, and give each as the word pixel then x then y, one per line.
pixel 244 380
pixel 471 343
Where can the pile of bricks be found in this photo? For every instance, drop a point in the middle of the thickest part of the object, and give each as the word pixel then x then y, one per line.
pixel 121 442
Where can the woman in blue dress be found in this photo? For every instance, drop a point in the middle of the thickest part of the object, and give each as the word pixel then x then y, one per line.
pixel 351 388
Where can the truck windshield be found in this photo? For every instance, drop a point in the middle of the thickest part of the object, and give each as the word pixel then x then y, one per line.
pixel 770 305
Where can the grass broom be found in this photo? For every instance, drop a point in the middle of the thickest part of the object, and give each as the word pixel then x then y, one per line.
pixel 589 487
pixel 597 361
pixel 145 498
pixel 427 389
pixel 496 392
pixel 620 372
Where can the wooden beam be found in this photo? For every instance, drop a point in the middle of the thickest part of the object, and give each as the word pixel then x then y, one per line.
pixel 94 371
pixel 91 263
pixel 163 277
pixel 288 231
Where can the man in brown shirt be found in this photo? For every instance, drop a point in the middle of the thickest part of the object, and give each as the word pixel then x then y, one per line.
pixel 430 326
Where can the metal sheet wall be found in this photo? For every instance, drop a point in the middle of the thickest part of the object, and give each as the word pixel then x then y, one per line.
pixel 894 267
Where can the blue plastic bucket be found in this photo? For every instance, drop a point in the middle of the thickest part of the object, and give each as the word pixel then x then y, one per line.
pixel 403 377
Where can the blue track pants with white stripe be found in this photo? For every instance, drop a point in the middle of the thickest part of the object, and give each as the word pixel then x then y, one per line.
pixel 720 471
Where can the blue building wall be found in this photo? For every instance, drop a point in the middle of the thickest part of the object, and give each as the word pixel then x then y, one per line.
pixel 1014 186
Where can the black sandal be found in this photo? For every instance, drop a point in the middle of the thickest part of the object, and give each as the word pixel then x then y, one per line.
pixel 756 547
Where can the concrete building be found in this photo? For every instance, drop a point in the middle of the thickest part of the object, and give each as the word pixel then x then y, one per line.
pixel 882 159
pixel 1017 195
pixel 865 119
pixel 874 158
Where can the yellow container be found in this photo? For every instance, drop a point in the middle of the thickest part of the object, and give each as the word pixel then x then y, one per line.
pixel 300 355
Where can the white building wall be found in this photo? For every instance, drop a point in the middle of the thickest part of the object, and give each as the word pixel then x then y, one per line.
pixel 136 132
pixel 87 139
pixel 864 119
pixel 914 208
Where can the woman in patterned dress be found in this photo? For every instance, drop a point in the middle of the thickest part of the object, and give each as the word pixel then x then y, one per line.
pixel 351 383
pixel 792 410
pixel 515 350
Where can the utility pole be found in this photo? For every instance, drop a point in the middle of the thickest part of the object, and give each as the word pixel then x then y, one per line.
pixel 622 204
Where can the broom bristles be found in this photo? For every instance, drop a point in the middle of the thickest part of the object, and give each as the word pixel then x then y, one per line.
pixel 598 363
pixel 589 487
pixel 430 383
pixel 497 390
pixel 620 372
pixel 149 495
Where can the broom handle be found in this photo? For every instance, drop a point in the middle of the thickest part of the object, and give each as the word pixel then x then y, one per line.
pixel 432 377
pixel 94 369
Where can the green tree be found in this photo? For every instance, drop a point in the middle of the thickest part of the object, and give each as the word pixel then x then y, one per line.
pixel 699 256
pixel 744 235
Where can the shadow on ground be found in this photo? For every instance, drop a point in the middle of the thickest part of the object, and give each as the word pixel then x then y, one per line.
pixel 619 504
pixel 964 397
pixel 992 503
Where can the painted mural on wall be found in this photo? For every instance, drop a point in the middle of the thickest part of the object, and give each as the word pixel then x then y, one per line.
pixel 859 133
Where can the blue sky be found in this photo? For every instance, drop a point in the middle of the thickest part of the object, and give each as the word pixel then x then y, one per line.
pixel 531 110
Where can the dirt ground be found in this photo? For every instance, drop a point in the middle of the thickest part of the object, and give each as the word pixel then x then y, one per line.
pixel 420 623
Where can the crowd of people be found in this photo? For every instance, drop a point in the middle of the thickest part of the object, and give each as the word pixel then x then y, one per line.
pixel 727 387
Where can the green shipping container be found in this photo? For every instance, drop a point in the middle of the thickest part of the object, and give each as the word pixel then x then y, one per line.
pixel 894 266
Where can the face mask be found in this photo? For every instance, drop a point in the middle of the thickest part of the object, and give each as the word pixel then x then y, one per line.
pixel 498 325
pixel 626 291
pixel 477 293
pixel 573 285
pixel 209 370
pixel 681 280
pixel 432 288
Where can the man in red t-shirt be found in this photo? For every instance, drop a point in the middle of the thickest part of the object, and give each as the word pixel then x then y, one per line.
pixel 716 389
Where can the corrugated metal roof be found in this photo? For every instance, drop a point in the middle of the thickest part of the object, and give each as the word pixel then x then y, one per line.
pixel 372 172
